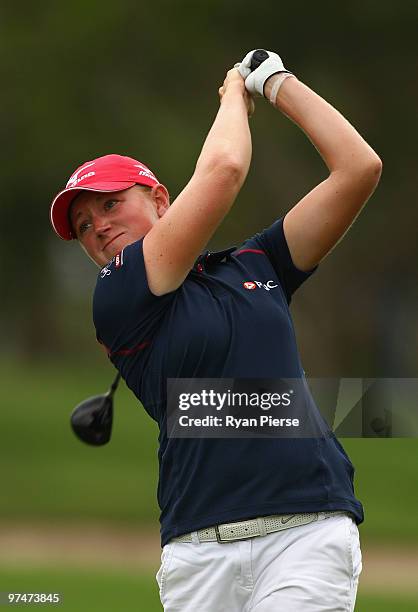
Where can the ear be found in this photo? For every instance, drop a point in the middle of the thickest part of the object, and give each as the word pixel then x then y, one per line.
pixel 161 198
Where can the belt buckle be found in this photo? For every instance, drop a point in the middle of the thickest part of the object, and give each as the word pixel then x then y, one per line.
pixel 218 536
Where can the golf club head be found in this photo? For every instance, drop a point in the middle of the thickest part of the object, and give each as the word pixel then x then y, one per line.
pixel 92 419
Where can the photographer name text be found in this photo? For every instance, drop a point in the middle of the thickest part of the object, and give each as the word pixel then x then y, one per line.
pixel 236 423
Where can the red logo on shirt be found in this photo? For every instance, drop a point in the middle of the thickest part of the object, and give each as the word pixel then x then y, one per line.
pixel 268 286
pixel 119 260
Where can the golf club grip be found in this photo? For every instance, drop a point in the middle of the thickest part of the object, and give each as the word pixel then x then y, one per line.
pixel 258 58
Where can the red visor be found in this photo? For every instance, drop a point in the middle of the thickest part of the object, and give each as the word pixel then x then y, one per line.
pixel 107 173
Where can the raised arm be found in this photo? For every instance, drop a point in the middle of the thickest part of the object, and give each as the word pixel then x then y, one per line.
pixel 316 223
pixel 175 241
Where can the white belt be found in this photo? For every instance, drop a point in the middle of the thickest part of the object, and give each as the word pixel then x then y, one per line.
pixel 229 532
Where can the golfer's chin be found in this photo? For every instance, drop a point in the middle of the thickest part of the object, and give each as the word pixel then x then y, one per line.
pixel 115 247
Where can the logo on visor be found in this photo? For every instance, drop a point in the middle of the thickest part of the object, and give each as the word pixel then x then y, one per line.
pixel 144 171
pixel 75 179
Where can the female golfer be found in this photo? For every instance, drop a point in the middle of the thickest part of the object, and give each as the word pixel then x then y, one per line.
pixel 247 524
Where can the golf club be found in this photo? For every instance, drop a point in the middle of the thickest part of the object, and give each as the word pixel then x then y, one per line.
pixel 258 58
pixel 92 419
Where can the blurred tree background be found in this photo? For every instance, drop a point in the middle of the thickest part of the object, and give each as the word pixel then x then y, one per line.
pixel 83 79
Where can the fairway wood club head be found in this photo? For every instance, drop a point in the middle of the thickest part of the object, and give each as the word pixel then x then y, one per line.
pixel 92 419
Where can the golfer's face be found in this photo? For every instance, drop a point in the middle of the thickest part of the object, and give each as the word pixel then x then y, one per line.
pixel 106 222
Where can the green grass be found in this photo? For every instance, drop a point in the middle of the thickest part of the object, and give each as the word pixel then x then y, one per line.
pixel 386 482
pixel 87 590
pixel 47 473
pixel 90 591
pixel 376 603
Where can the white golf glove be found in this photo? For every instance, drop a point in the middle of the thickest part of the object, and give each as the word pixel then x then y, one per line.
pixel 254 81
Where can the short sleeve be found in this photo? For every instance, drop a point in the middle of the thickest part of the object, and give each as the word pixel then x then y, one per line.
pixel 126 313
pixel 273 241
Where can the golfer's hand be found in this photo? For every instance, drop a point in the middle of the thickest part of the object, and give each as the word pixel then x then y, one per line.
pixel 254 81
pixel 234 80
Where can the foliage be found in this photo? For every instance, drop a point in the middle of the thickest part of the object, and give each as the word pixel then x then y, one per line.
pixel 84 79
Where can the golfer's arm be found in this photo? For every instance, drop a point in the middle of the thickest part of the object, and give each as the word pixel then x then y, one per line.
pixel 176 240
pixel 316 223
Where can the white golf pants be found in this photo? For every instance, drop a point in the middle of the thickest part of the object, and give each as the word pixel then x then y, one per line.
pixel 310 568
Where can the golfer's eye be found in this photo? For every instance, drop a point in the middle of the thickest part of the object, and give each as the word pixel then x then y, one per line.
pixel 83 227
pixel 109 204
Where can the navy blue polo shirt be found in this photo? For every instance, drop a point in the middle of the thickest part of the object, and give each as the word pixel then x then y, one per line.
pixel 229 319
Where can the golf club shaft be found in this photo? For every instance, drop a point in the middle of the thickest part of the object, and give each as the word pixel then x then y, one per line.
pixel 114 385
